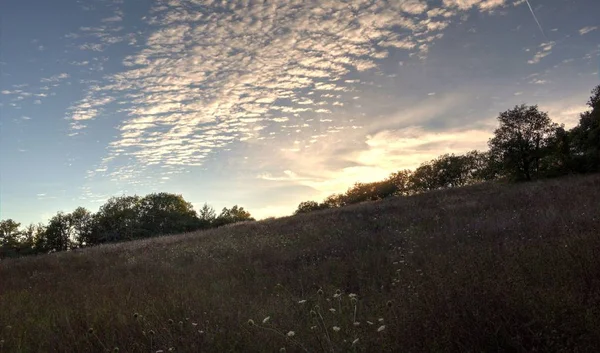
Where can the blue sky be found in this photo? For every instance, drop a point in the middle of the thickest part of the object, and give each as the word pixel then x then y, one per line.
pixel 267 103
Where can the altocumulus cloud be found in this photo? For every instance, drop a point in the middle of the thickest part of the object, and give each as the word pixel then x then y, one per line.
pixel 211 73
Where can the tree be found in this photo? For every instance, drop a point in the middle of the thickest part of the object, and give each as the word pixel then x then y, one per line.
pixel 484 166
pixel 58 234
pixel 333 201
pixel 401 182
pixel 9 238
pixel 424 178
pixel 82 222
pixel 9 232
pixel 521 140
pixel 232 215
pixel 165 213
pixel 118 219
pixel 586 136
pixel 206 216
pixel 309 206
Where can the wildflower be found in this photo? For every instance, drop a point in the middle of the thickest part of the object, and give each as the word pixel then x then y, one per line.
pixel 136 315
pixel 200 332
pixel 116 350
pixel 332 310
pixel 159 351
pixel 250 322
pixel 352 295
pixel 356 323
pixel 320 291
pixel 380 319
pixel 313 313
pixel 282 350
pixel 266 319
pixel 171 349
pixel 389 304
pixel 180 323
pixel 313 328
pixel 151 332
pixel 338 292
pixel 194 324
pixel 381 328
pixel 336 328
pixel 90 330
pixel 355 342
pixel 170 322
pixel 291 334
pixel 302 301
pixel 369 322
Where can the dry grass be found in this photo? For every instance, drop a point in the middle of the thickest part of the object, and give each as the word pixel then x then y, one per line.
pixel 483 268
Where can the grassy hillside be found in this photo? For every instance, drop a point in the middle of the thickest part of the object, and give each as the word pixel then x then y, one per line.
pixel 483 268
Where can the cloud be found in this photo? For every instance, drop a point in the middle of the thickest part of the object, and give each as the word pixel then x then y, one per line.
pixel 209 76
pixel 586 30
pixel 55 78
pixel 544 50
pixel 485 5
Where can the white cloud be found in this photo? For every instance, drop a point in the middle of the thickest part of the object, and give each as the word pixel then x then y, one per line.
pixel 586 30
pixel 225 71
pixel 544 50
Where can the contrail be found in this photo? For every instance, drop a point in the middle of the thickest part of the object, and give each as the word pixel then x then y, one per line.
pixel 536 20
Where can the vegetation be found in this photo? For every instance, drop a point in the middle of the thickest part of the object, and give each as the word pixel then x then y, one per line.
pixel 119 219
pixel 526 146
pixel 484 268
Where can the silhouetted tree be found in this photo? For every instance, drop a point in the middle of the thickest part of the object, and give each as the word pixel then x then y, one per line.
pixel 401 182
pixel 424 178
pixel 58 234
pixel 521 140
pixel 586 136
pixel 9 238
pixel 232 215
pixel 206 216
pixel 309 206
pixel 164 213
pixel 118 219
pixel 333 201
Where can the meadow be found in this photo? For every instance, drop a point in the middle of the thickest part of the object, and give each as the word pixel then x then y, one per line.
pixel 491 267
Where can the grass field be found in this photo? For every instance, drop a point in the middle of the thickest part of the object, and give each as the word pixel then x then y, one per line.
pixel 494 268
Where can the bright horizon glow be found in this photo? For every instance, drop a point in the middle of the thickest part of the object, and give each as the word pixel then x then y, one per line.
pixel 266 104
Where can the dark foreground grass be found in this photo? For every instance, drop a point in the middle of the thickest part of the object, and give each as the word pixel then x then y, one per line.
pixel 494 268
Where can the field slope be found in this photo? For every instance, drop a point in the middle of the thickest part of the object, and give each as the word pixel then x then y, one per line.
pixel 483 268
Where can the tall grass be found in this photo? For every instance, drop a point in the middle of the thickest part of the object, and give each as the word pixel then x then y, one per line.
pixel 483 268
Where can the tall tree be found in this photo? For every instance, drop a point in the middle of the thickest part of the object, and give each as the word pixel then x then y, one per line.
pixel 58 235
pixel 165 213
pixel 586 136
pixel 82 222
pixel 206 216
pixel 9 238
pixel 9 231
pixel 521 140
pixel 118 219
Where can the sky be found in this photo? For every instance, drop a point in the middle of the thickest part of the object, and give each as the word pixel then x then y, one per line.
pixel 266 103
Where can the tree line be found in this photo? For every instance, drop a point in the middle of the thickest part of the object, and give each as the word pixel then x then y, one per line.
pixel 526 146
pixel 119 219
